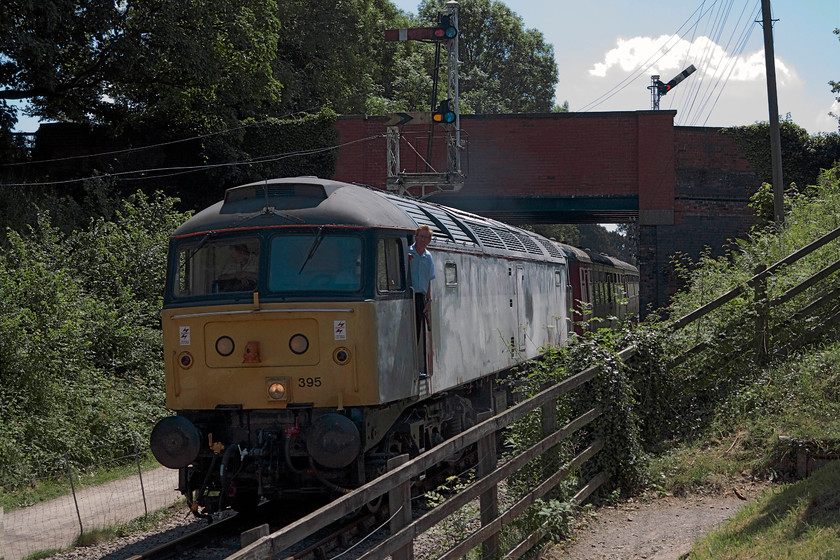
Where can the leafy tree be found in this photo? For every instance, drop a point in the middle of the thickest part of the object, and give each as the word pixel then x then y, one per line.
pixel 562 233
pixel 331 53
pixel 176 63
pixel 506 68
pixel 803 155
pixel 616 243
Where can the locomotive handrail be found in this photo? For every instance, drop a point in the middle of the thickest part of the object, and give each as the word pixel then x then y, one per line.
pixel 735 292
pixel 280 540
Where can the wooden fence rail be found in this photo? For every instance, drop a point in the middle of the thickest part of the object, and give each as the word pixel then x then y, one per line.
pixel 485 488
pixel 761 276
pixel 762 327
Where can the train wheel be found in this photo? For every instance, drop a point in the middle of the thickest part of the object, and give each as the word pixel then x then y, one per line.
pixel 392 445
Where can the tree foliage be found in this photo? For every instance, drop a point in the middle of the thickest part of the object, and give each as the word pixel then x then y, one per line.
pixel 704 364
pixel 177 64
pixel 803 155
pixel 331 53
pixel 835 85
pixel 506 68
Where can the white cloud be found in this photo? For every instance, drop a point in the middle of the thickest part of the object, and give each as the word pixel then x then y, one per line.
pixel 667 55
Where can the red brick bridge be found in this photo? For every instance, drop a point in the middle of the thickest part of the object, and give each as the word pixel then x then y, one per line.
pixel 685 187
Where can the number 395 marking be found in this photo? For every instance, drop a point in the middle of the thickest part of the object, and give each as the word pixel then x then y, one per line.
pixel 309 381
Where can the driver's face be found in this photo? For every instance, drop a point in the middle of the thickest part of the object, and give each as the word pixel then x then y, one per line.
pixel 421 239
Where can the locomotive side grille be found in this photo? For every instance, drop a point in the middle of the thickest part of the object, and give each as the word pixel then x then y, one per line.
pixel 487 236
pixel 456 233
pixel 530 245
pixel 511 241
pixel 441 223
pixel 412 209
pixel 550 247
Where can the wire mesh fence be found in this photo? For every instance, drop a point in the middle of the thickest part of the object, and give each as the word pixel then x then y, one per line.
pixel 55 524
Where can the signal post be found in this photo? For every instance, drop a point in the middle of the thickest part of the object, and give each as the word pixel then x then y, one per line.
pixel 445 114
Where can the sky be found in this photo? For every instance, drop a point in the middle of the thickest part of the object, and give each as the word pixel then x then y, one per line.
pixel 607 50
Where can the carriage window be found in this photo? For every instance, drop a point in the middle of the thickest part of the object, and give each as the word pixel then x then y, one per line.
pixel 315 262
pixel 227 265
pixel 558 278
pixel 450 273
pixel 390 276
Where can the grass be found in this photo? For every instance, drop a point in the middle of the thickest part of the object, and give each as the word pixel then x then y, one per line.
pixel 797 398
pixel 800 521
pixel 50 488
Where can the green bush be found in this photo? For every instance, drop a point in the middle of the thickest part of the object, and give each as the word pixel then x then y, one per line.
pixel 80 343
pixel 681 394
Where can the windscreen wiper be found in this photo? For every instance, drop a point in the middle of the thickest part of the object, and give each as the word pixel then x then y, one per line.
pixel 207 237
pixel 317 242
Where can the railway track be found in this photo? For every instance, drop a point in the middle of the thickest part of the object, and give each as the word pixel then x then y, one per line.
pixel 223 537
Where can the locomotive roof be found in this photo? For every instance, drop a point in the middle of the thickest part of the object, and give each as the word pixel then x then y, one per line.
pixel 313 201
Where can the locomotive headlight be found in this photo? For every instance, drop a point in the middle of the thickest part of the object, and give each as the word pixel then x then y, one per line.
pixel 225 346
pixel 185 359
pixel 276 387
pixel 299 344
pixel 341 356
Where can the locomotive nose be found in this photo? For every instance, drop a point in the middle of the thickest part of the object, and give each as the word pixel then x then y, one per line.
pixel 175 442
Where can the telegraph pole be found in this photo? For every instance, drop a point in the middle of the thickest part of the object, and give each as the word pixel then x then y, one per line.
pixel 773 105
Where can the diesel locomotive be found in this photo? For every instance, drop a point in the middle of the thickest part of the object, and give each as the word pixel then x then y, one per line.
pixel 293 361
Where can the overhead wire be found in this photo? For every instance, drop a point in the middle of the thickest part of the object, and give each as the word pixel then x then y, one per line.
pixel 156 173
pixel 737 52
pixel 183 170
pixel 708 80
pixel 712 35
pixel 698 99
pixel 644 66
pixel 153 146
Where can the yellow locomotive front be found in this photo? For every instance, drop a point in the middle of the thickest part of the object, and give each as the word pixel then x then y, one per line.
pixel 273 304
pixel 258 354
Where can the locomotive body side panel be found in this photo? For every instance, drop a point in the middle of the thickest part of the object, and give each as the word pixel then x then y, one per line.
pixel 290 341
pixel 490 313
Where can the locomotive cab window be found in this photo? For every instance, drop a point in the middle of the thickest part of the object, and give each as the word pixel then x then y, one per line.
pixel 225 265
pixel 320 261
pixel 390 274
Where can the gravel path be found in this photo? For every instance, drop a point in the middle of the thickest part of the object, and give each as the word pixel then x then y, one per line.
pixel 55 523
pixel 657 529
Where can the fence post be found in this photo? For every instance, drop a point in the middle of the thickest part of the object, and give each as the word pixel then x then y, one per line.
pixel 489 499
pixel 73 489
pixel 399 505
pixel 140 474
pixel 760 299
